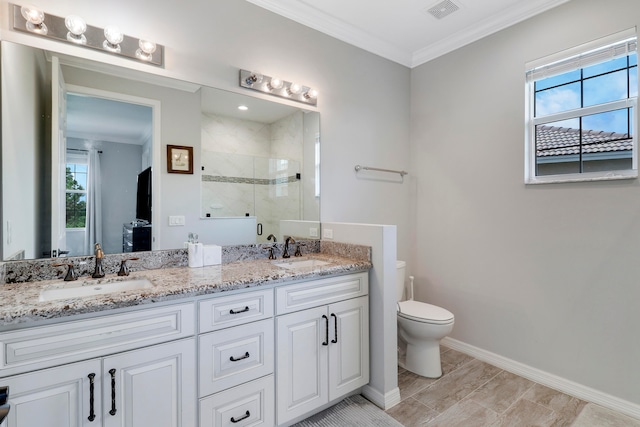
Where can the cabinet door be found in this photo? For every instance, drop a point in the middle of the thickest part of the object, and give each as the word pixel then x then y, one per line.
pixel 302 359
pixel 154 386
pixel 55 397
pixel 349 346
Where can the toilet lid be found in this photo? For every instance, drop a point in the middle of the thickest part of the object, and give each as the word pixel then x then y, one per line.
pixel 423 312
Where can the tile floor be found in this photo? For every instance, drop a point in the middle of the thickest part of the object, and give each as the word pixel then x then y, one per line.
pixel 473 393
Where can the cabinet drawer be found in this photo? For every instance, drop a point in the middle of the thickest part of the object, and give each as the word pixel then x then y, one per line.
pixel 235 355
pixel 223 312
pixel 320 292
pixel 44 346
pixel 250 404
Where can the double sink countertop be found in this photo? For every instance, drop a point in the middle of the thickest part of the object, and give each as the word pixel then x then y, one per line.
pixel 20 303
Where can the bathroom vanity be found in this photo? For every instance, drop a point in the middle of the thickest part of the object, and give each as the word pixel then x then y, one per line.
pixel 210 346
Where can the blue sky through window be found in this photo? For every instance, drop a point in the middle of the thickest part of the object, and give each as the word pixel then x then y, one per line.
pixel 600 83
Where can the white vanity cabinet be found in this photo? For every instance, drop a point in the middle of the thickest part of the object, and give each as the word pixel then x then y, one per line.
pixel 153 385
pixel 322 343
pixel 236 360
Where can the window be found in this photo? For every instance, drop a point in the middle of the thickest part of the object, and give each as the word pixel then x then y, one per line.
pixel 76 192
pixel 581 113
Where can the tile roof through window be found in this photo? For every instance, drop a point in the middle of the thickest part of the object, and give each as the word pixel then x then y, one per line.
pixel 561 141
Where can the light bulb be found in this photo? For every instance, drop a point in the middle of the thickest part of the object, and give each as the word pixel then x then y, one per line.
pixel 113 37
pixel 311 94
pixel 275 83
pixel 146 50
pixel 76 26
pixel 243 107
pixel 35 19
pixel 294 89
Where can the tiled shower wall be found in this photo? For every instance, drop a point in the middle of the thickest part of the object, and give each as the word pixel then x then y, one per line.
pixel 250 168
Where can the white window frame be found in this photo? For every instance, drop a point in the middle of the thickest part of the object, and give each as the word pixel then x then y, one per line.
pixel 77 159
pixel 581 56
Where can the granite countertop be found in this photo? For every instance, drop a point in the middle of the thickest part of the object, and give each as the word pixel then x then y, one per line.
pixel 20 302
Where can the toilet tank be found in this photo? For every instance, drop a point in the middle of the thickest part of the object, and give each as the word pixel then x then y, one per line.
pixel 401 266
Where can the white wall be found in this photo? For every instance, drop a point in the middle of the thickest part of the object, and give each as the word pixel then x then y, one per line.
pixel 544 275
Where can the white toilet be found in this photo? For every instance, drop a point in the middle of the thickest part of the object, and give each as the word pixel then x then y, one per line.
pixel 421 326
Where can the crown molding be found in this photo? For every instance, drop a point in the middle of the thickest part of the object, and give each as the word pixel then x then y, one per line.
pixel 483 29
pixel 328 24
pixel 307 15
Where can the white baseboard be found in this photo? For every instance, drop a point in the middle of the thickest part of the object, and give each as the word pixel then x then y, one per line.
pixel 552 381
pixel 383 401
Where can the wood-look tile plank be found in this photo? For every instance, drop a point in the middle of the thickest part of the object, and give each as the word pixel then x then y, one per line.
pixel 453 387
pixel 501 392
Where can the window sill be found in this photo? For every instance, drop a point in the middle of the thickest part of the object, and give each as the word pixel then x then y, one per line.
pixel 582 177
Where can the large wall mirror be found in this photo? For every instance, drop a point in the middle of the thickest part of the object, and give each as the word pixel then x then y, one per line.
pixel 84 160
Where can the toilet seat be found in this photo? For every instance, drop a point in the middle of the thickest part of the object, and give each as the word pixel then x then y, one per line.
pixel 425 313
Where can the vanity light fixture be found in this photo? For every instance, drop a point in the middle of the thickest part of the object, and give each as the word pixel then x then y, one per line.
pixel 113 37
pixel 34 20
pixel 275 86
pixel 74 29
pixel 77 27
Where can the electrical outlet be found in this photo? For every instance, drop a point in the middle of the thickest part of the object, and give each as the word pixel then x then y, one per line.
pixel 176 220
pixel 313 232
pixel 327 233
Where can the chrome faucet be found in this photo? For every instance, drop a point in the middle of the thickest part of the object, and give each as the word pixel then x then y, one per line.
pixel 285 254
pixel 99 270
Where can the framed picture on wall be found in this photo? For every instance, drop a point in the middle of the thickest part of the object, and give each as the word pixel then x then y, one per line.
pixel 179 159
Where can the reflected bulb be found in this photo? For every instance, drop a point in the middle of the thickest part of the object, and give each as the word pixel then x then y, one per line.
pixel 275 83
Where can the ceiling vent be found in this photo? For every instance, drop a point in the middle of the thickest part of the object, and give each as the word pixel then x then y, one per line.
pixel 442 9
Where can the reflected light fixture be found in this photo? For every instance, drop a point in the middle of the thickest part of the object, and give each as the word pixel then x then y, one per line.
pixel 243 107
pixel 113 37
pixel 77 27
pixel 74 29
pixel 34 20
pixel 275 86
pixel 275 83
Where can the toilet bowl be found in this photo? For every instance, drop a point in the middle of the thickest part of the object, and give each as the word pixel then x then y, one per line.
pixel 421 326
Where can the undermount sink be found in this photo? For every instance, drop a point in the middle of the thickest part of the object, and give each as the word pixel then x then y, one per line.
pixel 300 264
pixel 88 289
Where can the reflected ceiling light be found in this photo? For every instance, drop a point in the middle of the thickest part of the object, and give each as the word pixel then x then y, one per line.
pixel 35 19
pixel 113 37
pixel 74 29
pixel 146 49
pixel 76 26
pixel 292 90
pixel 243 107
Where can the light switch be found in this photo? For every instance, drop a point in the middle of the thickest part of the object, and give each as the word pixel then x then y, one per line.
pixel 176 220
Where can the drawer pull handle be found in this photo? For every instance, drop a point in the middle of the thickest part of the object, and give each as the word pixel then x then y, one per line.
pixel 233 359
pixel 113 391
pixel 245 416
pixel 245 309
pixel 92 415
pixel 335 328
pixel 326 330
